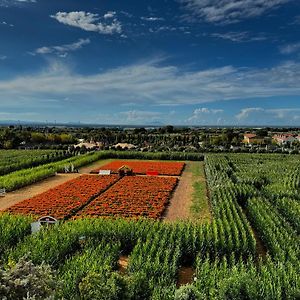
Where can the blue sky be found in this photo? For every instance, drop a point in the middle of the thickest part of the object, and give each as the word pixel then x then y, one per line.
pixel 179 62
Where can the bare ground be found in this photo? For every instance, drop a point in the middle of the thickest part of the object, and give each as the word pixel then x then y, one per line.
pixel 185 276
pixel 123 264
pixel 29 191
pixel 87 169
pixel 180 203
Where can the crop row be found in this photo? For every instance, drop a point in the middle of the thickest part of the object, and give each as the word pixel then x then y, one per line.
pixel 65 199
pixel 254 186
pixel 13 160
pixel 279 236
pixel 142 167
pixel 133 196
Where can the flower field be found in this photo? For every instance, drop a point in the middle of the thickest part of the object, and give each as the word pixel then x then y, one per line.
pixel 142 167
pixel 133 197
pixel 66 198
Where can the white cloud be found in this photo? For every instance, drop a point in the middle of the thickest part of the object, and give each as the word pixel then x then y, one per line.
pixel 63 49
pixel 109 14
pixel 246 112
pixel 3 57
pixel 239 37
pixel 152 19
pixel 291 48
pixel 88 21
pixel 7 3
pixel 272 116
pixel 152 83
pixel 204 116
pixel 7 24
pixel 229 11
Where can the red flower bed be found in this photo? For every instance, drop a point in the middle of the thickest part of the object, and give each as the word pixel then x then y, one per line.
pixel 133 196
pixel 66 198
pixel 143 167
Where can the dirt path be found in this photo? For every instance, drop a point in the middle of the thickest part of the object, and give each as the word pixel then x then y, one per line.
pixel 87 169
pixel 19 195
pixel 179 208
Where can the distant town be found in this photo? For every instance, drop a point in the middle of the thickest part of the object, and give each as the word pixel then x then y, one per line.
pixel 152 139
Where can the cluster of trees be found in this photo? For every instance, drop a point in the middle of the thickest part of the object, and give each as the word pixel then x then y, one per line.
pixel 13 137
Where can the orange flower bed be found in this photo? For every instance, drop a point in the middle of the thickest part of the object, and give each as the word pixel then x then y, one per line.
pixel 142 167
pixel 65 199
pixel 133 196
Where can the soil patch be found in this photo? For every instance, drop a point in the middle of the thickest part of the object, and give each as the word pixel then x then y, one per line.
pixel 123 264
pixel 185 276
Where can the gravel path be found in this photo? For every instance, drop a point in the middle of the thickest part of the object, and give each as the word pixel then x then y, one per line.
pixel 180 203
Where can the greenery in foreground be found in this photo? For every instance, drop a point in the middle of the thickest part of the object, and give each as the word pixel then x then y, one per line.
pixel 246 191
pixel 84 254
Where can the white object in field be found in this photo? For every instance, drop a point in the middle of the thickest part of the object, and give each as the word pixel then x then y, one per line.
pixel 104 172
pixel 47 220
pixel 2 192
pixel 35 227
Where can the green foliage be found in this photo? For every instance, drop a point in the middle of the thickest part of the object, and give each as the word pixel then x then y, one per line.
pixel 12 230
pixel 188 292
pixel 27 281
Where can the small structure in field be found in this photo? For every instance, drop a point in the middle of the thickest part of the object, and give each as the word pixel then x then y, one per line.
pixel 43 221
pixel 125 171
pixel 2 192
pixel 152 173
pixel 104 172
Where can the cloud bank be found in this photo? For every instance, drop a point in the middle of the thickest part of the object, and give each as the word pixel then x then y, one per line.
pixel 89 22
pixel 151 83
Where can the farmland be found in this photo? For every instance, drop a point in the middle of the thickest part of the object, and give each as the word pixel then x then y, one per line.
pixel 249 249
pixel 62 201
pixel 133 197
pixel 142 167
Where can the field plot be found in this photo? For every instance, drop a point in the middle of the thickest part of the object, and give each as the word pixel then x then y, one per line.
pixel 254 199
pixel 65 199
pixel 133 196
pixel 142 167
